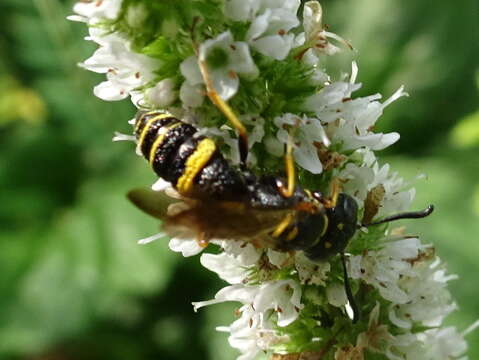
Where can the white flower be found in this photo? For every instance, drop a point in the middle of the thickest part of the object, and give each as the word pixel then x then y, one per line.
pixel 226 266
pixel 357 180
pixel 397 197
pixel 192 95
pixel 136 15
pixel 351 120
pixel 377 337
pixel 278 258
pixel 443 343
pixel 185 244
pixel 435 344
pixel 226 60
pixel 226 135
pixel 311 272
pixel 314 34
pixel 384 268
pixel 125 69
pixel 429 300
pixel 95 10
pixel 282 297
pixel 233 264
pixel 307 132
pixel 162 94
pixel 252 333
pixel 271 20
pixel 336 295
pixel 161 185
pixel 360 179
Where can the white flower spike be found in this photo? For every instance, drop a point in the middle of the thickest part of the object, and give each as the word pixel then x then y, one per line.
pixel 268 65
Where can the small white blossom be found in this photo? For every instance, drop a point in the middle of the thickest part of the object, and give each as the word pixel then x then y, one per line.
pixel 233 264
pixel 226 135
pixel 226 59
pixel 185 243
pixel 125 70
pixel 252 333
pixel 277 258
pixel 162 94
pixel 314 34
pixel 429 300
pixel 351 119
pixel 271 20
pixel 226 266
pixel 282 297
pixel 384 268
pixel 435 344
pixel 336 295
pixel 311 272
pixel 360 179
pixel 136 15
pixel 94 11
pixel 307 133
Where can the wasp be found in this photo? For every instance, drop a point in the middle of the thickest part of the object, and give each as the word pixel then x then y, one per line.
pixel 227 202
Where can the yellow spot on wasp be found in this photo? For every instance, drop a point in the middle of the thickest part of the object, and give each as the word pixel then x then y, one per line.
pixel 195 164
pixel 340 226
pixel 327 245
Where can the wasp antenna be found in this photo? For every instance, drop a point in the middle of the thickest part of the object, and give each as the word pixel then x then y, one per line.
pixel 406 215
pixel 349 293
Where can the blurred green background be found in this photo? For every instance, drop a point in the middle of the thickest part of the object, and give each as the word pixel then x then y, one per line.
pixel 73 282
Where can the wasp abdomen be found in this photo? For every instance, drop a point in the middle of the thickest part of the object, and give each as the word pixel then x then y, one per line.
pixel 220 180
pixel 191 163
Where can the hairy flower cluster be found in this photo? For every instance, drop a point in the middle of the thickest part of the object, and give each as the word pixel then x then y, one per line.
pixel 264 58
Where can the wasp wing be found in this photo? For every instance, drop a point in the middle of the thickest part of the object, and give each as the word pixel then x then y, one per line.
pixel 154 203
pixel 209 219
pixel 228 220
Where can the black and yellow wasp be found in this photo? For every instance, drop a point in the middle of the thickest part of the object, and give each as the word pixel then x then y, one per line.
pixel 225 202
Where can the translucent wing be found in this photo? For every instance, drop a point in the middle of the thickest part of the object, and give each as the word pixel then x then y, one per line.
pixel 154 203
pixel 209 219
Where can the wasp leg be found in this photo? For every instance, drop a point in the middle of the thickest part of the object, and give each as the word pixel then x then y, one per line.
pixel 349 293
pixel 287 191
pixel 283 225
pixel 227 111
pixel 202 240
pixel 335 191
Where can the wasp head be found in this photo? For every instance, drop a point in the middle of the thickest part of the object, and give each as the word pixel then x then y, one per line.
pixel 338 231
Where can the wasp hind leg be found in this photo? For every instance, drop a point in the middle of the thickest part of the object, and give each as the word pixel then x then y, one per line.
pixel 227 112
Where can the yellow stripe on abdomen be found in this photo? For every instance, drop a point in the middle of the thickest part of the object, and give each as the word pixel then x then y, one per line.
pixel 147 126
pixel 195 163
pixel 159 140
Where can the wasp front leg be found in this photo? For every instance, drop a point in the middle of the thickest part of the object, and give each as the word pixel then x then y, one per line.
pixel 334 193
pixel 288 189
